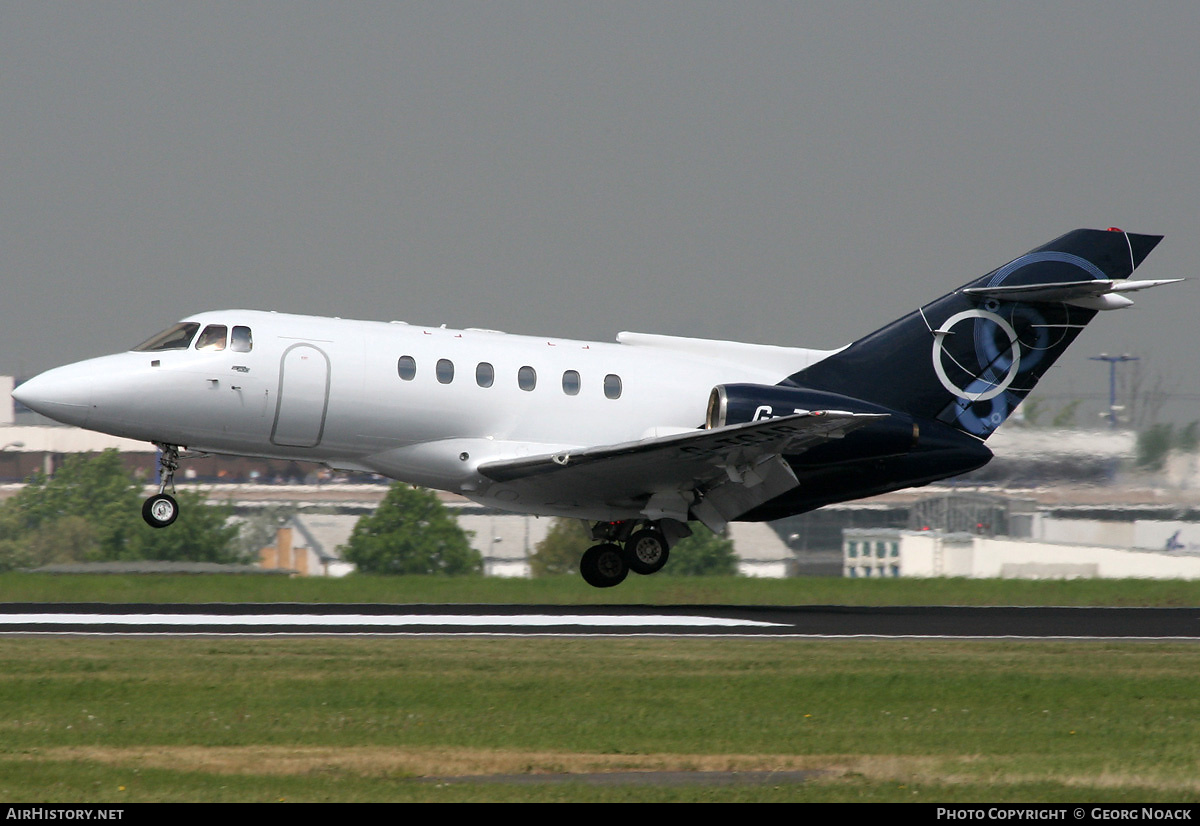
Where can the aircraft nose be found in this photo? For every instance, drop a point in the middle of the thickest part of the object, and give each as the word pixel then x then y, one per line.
pixel 64 394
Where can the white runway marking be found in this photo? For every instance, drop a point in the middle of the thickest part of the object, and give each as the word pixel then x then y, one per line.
pixel 591 620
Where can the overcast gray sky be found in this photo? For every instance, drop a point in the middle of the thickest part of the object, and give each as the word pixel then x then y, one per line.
pixel 786 173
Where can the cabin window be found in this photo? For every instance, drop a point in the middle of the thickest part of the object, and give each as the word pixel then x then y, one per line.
pixel 176 337
pixel 213 337
pixel 527 378
pixel 571 383
pixel 612 386
pixel 242 341
pixel 444 371
pixel 484 374
pixel 407 368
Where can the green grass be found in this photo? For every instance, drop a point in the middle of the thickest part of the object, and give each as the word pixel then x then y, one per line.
pixel 569 590
pixel 125 720
pixel 374 718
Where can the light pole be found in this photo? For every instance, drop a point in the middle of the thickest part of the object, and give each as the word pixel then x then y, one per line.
pixel 1112 382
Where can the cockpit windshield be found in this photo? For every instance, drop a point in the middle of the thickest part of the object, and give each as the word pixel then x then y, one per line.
pixel 177 337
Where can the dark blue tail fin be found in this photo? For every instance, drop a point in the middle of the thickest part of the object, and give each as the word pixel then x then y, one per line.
pixel 970 357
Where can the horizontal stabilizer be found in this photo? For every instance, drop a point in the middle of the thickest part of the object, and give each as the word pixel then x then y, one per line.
pixel 1094 294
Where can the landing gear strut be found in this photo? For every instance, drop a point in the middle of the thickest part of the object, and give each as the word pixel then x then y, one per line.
pixel 161 509
pixel 623 549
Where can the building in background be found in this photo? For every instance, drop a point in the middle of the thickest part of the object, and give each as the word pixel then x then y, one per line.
pixel 892 553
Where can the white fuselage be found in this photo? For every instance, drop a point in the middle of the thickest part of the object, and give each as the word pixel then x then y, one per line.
pixel 335 391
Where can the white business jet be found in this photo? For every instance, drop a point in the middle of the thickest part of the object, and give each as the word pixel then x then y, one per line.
pixel 637 437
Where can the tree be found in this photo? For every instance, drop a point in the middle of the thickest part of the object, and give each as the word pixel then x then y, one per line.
pixel 704 553
pixel 1144 391
pixel 1030 410
pixel 1156 442
pixel 1153 445
pixel 1188 440
pixel 561 549
pixel 1066 416
pixel 90 511
pixel 94 487
pixel 70 539
pixel 411 533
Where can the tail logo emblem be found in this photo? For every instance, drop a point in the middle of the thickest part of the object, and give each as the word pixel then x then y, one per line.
pixel 981 389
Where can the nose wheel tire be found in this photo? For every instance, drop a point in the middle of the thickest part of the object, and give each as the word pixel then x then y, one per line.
pixel 160 510
pixel 603 566
pixel 646 552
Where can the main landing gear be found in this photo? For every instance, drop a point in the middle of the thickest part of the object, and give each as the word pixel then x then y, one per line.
pixel 161 509
pixel 623 549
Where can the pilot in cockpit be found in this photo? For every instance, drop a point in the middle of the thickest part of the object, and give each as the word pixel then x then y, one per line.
pixel 213 338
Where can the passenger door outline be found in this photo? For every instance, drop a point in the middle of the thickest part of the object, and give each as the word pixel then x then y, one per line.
pixel 303 398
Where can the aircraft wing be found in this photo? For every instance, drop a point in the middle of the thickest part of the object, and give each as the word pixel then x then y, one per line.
pixel 715 474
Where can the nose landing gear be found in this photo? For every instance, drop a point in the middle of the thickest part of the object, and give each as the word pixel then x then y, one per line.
pixel 161 509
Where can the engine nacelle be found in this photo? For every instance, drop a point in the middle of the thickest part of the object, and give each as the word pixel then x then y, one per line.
pixel 899 433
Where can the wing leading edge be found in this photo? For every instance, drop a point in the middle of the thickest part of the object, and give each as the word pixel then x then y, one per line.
pixel 715 475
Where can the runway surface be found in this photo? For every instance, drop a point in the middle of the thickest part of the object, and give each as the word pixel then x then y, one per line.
pixel 824 621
